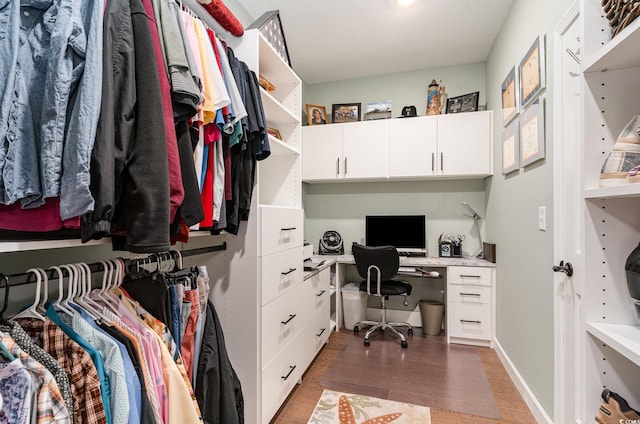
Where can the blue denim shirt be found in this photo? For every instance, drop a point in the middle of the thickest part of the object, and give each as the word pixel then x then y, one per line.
pixel 50 79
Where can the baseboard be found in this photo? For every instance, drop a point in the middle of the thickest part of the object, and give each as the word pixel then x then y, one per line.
pixel 530 399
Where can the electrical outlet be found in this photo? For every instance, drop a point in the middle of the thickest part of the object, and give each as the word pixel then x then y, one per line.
pixel 542 218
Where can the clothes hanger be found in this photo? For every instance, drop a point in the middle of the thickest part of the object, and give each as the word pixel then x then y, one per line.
pixel 84 279
pixel 31 311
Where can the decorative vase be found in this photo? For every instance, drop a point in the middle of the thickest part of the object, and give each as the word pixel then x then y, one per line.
pixel 435 98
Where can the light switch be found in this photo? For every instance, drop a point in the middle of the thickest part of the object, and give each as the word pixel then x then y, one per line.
pixel 542 218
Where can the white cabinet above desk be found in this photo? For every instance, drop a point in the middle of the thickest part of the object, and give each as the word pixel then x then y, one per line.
pixel 443 146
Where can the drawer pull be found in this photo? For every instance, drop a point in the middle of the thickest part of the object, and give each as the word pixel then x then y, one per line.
pixel 321 293
pixel 288 272
pixel 469 276
pixel 291 368
pixel 288 229
pixel 470 294
pixel 470 321
pixel 321 332
pixel 289 320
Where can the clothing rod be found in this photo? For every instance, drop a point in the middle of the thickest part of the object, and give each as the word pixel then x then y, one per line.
pixel 29 278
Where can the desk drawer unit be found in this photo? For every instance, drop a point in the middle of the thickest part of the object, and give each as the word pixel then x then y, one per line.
pixel 280 272
pixel 469 275
pixel 282 319
pixel 470 305
pixel 470 320
pixel 281 229
pixel 318 293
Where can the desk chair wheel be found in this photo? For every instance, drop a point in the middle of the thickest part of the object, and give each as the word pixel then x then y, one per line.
pixel 404 344
pixel 410 331
pixel 367 342
pixel 356 329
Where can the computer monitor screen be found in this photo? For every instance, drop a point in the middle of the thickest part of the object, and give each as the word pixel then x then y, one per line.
pixel 405 232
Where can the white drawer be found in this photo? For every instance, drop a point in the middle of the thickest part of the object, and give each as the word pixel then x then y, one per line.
pixel 469 320
pixel 282 319
pixel 469 275
pixel 280 272
pixel 467 293
pixel 281 376
pixel 280 229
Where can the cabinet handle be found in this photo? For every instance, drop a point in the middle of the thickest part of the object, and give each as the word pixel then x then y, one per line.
pixel 288 272
pixel 291 368
pixel 289 320
pixel 321 293
pixel 471 321
pixel 441 161
pixel 433 162
pixel 321 332
pixel 288 229
pixel 337 166
pixel 470 294
pixel 469 276
pixel 345 166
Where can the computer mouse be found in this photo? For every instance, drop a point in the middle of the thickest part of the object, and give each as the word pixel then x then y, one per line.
pixel 434 273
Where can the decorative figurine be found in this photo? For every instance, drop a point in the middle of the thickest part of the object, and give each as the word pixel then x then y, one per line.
pixel 436 95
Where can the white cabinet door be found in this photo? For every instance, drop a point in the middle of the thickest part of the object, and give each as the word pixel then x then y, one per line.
pixel 364 149
pixel 322 152
pixel 464 143
pixel 413 146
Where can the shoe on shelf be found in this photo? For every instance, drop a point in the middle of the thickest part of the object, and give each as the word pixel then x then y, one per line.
pixel 619 166
pixel 629 138
pixel 615 410
pixel 633 176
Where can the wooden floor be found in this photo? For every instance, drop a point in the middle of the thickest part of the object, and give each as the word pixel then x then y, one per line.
pixel 513 410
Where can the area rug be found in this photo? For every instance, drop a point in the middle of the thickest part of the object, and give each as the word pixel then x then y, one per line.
pixel 346 408
pixel 429 372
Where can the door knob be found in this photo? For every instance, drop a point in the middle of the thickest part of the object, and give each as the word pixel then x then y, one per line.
pixel 562 267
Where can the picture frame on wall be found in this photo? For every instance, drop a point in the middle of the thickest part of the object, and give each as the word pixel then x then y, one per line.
pixel 464 103
pixel 510 148
pixel 316 114
pixel 532 71
pixel 345 112
pixel 532 137
pixel 509 90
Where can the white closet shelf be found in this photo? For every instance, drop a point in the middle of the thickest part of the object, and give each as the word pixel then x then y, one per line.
pixel 280 148
pixel 626 190
pixel 273 67
pixel 276 112
pixel 624 339
pixel 24 245
pixel 619 53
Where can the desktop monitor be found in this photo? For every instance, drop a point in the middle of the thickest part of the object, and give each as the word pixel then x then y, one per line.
pixel 406 232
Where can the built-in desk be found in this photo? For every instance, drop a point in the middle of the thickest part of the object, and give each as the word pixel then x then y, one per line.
pixel 467 288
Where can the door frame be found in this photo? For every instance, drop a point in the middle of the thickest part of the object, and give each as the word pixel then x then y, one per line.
pixel 565 401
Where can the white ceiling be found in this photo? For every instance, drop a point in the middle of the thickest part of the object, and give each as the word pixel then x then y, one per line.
pixel 332 40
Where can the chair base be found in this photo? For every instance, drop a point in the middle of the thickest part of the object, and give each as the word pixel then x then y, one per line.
pixel 382 326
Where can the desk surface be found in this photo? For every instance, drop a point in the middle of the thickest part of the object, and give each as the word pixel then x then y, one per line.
pixel 404 261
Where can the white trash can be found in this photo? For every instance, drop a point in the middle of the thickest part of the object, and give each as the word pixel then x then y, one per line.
pixel 354 305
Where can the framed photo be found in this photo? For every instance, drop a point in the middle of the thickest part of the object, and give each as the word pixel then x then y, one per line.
pixel 316 115
pixel 465 103
pixel 510 148
pixel 532 71
pixel 378 110
pixel 532 133
pixel 274 133
pixel 345 112
pixel 510 104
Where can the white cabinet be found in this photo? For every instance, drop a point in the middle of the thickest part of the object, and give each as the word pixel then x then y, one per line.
pixel 445 146
pixel 256 284
pixel 318 304
pixel 413 146
pixel 610 322
pixel 470 305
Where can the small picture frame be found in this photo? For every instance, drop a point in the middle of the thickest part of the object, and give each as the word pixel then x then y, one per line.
pixel 464 103
pixel 378 110
pixel 510 148
pixel 316 114
pixel 532 139
pixel 345 112
pixel 273 132
pixel 532 71
pixel 510 104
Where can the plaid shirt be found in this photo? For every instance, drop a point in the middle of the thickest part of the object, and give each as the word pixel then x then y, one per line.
pixel 85 383
pixel 50 404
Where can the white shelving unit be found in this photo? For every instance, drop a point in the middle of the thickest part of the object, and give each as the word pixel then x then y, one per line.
pixel 610 321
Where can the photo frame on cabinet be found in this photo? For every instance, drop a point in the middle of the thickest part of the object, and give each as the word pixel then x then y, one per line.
pixel 345 112
pixel 510 148
pixel 464 103
pixel 532 139
pixel 509 90
pixel 316 114
pixel 532 71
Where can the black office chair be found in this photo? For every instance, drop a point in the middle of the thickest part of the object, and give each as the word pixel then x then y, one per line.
pixel 378 265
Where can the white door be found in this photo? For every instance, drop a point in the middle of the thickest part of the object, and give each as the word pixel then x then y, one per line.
pixel 568 216
pixel 322 152
pixel 412 146
pixel 464 144
pixel 364 149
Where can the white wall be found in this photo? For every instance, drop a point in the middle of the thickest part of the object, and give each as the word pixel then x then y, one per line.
pixel 525 288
